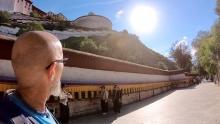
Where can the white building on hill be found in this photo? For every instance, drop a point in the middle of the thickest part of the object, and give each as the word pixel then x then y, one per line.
pixel 21 6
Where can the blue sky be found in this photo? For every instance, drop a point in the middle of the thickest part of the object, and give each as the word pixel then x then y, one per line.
pixel 177 19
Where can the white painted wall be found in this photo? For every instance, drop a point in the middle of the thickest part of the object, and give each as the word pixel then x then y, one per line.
pixel 177 76
pixel 7 5
pixel 81 75
pixel 6 68
pixel 59 34
pixel 100 76
pixel 66 34
pixel 9 30
pixel 21 6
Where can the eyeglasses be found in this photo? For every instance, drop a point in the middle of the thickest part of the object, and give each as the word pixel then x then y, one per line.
pixel 58 61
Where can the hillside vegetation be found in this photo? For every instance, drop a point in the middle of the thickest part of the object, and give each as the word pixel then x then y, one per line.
pixel 120 45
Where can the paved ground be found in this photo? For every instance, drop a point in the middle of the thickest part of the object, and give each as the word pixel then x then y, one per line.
pixel 195 105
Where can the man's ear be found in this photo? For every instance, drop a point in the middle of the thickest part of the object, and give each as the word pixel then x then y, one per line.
pixel 52 71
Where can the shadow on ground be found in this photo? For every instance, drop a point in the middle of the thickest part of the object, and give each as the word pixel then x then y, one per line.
pixel 111 116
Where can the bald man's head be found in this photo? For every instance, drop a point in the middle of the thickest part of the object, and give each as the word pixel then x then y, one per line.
pixel 32 53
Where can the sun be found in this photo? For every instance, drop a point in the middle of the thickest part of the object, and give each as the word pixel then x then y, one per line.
pixel 143 19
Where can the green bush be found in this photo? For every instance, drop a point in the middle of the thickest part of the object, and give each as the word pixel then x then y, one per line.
pixel 33 14
pixel 4 17
pixel 60 26
pixel 88 45
pixel 72 42
pixel 161 65
pixel 30 27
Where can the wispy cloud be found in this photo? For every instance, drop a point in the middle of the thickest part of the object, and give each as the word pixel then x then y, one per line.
pixel 193 52
pixel 97 3
pixel 184 41
pixel 119 14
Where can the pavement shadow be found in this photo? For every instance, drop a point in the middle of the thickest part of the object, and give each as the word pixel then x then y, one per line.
pixel 126 109
pixel 111 116
pixel 189 88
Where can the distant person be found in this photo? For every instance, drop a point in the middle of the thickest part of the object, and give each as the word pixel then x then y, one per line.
pixel 104 100
pixel 64 107
pixel 37 60
pixel 116 98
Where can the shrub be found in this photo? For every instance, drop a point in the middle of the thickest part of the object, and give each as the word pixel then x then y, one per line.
pixel 30 27
pixel 4 16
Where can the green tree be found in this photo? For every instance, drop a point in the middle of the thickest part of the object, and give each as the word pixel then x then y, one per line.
pixel 120 45
pixel 162 65
pixel 180 52
pixel 4 17
pixel 33 14
pixel 217 10
pixel 60 26
pixel 72 42
pixel 30 27
pixel 88 45
pixel 206 57
pixel 102 49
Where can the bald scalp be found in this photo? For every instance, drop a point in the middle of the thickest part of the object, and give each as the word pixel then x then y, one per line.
pixel 32 52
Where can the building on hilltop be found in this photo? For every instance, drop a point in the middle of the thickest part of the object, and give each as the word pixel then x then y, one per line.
pixel 92 22
pixel 25 7
pixel 21 6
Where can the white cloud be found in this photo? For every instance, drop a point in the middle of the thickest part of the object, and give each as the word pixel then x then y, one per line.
pixel 166 54
pixel 184 41
pixel 119 13
pixel 193 52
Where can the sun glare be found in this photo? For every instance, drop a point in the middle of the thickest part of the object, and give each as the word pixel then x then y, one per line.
pixel 143 19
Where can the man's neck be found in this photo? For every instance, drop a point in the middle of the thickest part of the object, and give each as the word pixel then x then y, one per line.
pixel 35 99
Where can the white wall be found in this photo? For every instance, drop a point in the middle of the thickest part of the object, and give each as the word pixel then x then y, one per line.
pixel 9 30
pixel 66 34
pixel 23 6
pixel 177 76
pixel 14 6
pixel 7 5
pixel 59 34
pixel 6 68
pixel 99 76
pixel 81 75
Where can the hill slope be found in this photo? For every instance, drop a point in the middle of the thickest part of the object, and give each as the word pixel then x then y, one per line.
pixel 120 45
